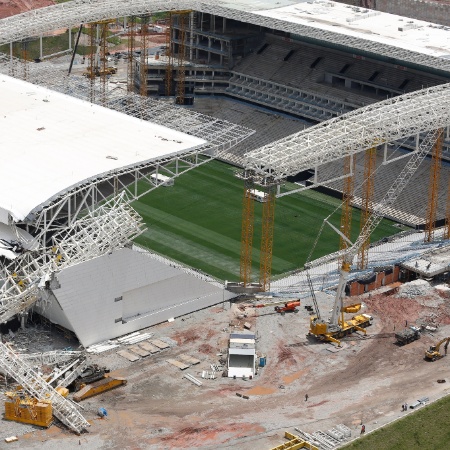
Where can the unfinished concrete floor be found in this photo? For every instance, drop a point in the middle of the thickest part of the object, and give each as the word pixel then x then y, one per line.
pixel 366 381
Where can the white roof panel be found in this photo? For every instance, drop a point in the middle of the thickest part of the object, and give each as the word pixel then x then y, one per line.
pixel 416 35
pixel 52 142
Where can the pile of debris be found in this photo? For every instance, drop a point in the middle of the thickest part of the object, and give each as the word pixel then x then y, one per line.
pixel 414 289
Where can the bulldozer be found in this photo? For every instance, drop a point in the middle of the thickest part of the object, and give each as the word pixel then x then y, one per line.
pixel 433 353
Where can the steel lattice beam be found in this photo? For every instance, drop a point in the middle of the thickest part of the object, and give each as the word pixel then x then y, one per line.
pixel 396 118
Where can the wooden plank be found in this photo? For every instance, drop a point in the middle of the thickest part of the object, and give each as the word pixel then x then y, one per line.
pixel 149 347
pixel 189 359
pixel 159 344
pixel 127 355
pixel 178 364
pixel 139 351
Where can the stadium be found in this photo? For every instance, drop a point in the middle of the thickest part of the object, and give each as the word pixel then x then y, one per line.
pixel 138 196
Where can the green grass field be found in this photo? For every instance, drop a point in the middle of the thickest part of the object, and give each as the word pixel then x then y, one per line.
pixel 198 222
pixel 426 429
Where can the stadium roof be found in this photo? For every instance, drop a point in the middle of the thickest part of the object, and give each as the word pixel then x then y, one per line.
pixel 362 31
pixel 413 35
pixel 52 142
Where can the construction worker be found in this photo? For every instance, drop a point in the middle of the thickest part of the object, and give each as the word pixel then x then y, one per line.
pixel 363 429
pixel 306 397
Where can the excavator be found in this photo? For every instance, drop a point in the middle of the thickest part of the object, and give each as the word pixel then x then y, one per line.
pixel 337 326
pixel 433 352
pixel 282 307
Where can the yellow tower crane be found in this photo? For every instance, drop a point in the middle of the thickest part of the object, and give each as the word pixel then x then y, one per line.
pixel 131 48
pixel 433 189
pixel 248 215
pixel 143 60
pixel 447 214
pixel 370 158
pixel 268 220
pixel 177 56
pixel 347 197
pixel 248 218
pixel 169 56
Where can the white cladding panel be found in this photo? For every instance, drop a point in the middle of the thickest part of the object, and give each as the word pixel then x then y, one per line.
pixel 126 291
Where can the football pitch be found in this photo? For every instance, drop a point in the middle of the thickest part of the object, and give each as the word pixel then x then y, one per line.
pixel 198 223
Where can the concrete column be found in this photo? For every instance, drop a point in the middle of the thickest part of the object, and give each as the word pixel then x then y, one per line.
pixel 213 23
pixel 209 46
pixel 191 37
pixel 22 321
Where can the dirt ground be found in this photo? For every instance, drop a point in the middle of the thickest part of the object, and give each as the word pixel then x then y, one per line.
pixel 12 7
pixel 366 381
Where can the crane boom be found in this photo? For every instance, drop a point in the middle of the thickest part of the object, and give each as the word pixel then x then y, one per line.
pixel 372 222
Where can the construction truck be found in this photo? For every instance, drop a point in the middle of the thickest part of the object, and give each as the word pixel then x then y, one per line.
pixel 407 335
pixel 433 353
pixel 282 306
pixel 337 326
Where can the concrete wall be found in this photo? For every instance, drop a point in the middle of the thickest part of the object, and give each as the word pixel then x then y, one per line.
pixel 436 11
pixel 381 280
